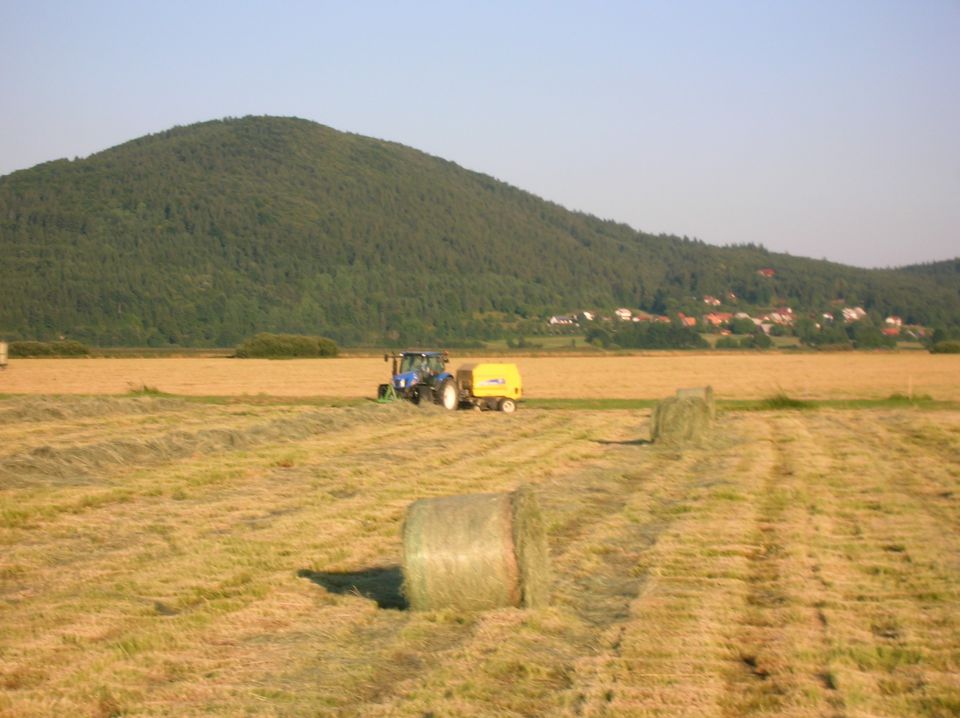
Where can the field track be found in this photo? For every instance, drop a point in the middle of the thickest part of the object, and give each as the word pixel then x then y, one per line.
pixel 733 376
pixel 170 558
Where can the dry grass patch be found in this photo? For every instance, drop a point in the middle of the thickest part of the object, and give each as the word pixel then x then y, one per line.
pixel 796 564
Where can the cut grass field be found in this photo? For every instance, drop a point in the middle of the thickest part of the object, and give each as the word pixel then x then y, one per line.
pixel 739 375
pixel 165 557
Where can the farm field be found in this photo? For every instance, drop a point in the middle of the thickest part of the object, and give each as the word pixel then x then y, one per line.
pixel 165 557
pixel 648 376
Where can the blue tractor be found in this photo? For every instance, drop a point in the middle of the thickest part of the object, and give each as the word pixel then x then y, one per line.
pixel 421 377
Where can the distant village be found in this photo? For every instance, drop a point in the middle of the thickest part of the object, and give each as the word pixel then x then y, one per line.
pixel 778 321
pixel 721 322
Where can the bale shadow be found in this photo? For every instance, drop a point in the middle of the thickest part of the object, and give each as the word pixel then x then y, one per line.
pixel 634 442
pixel 380 583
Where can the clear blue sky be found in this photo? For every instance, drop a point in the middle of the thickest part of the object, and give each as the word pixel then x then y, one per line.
pixel 825 129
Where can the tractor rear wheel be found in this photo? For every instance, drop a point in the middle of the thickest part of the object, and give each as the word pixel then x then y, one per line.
pixel 507 406
pixel 447 395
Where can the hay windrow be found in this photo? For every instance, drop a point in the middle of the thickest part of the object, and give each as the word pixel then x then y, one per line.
pixel 74 464
pixel 680 420
pixel 475 552
pixel 47 408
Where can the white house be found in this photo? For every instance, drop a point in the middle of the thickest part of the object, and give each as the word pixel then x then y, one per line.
pixel 853 314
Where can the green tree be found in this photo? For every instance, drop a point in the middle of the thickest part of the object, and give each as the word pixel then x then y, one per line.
pixel 741 325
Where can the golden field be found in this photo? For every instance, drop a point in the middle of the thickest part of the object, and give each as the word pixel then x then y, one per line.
pixel 164 557
pixel 651 376
pixel 169 556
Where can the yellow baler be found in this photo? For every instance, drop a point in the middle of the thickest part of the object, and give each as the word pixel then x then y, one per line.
pixel 490 386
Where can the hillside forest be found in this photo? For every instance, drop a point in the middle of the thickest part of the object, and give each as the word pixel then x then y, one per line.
pixel 207 234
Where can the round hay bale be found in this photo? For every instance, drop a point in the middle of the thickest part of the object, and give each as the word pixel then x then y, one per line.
pixel 677 420
pixel 475 552
pixel 700 392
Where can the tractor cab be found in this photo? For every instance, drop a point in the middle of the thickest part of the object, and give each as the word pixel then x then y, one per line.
pixel 421 363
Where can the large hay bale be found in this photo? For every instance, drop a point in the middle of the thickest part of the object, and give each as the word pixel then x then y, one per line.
pixel 679 420
pixel 700 392
pixel 475 552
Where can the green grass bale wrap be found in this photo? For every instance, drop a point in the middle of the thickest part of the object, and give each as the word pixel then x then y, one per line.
pixel 680 420
pixel 475 552
pixel 701 392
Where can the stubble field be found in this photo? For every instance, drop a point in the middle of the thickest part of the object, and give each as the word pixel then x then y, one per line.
pixel 171 557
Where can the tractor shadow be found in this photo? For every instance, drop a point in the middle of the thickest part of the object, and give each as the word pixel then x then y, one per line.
pixel 380 583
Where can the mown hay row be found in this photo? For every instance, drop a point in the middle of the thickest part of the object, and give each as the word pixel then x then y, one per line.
pixel 36 409
pixel 475 552
pixel 75 463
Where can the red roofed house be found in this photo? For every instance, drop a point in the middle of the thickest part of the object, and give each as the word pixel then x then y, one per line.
pixel 766 272
pixel 687 321
pixel 717 318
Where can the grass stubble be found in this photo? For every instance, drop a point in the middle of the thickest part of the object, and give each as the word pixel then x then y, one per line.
pixel 797 563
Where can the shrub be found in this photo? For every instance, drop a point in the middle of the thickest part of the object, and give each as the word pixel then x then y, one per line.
pixel 464 344
pixel 741 325
pixel 64 348
pixel 286 346
pixel 758 340
pixel 598 336
pixel 946 347
pixel 657 336
pixel 522 343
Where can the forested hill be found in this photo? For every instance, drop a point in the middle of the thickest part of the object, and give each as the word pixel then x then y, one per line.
pixel 202 235
pixel 945 273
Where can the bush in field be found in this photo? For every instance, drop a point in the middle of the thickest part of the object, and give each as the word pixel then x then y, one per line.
pixel 946 347
pixel 65 348
pixel 648 336
pixel 522 343
pixel 866 336
pixel 286 346
pixel 757 340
